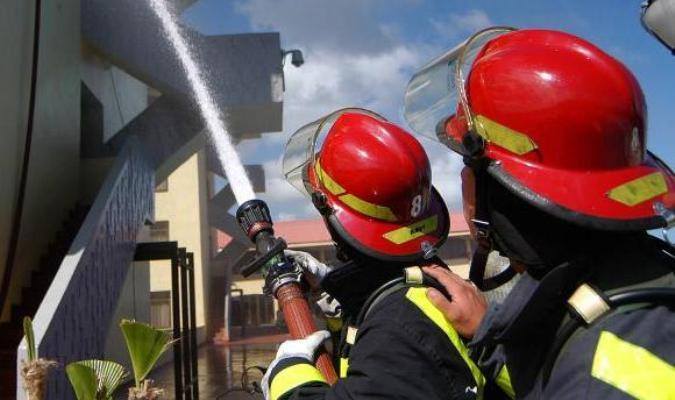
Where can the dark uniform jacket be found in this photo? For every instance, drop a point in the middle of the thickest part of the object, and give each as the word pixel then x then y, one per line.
pixel 628 353
pixel 404 349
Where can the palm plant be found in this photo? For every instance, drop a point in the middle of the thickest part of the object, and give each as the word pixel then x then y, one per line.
pixel 146 345
pixel 98 379
pixel 35 370
pixel 95 379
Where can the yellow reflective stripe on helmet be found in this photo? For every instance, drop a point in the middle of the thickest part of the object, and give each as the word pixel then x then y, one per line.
pixel 504 382
pixel 639 190
pixel 291 377
pixel 344 366
pixel 327 181
pixel 369 209
pixel 360 205
pixel 418 296
pixel 413 231
pixel 632 369
pixel 503 136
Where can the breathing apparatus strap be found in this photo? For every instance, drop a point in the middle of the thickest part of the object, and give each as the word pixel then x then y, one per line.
pixel 484 232
pixel 587 305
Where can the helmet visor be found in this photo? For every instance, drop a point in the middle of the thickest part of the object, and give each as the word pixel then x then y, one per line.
pixel 303 146
pixel 434 92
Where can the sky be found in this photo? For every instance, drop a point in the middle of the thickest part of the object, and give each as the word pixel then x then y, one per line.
pixel 363 52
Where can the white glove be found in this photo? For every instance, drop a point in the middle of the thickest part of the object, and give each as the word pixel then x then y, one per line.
pixel 303 348
pixel 315 269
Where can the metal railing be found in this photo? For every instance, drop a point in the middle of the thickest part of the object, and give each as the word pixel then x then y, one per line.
pixel 74 317
pixel 184 325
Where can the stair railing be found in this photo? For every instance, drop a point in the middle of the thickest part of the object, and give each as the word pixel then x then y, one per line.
pixel 74 317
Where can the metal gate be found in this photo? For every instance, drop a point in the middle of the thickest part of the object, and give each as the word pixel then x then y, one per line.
pixel 183 310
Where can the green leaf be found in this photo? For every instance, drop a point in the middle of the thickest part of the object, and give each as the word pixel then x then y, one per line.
pixel 146 344
pixel 30 338
pixel 109 375
pixel 83 380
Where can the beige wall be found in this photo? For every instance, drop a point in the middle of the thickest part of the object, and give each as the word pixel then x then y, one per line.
pixel 253 286
pixel 53 180
pixel 184 206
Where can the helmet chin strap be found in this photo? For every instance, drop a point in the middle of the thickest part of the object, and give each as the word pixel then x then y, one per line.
pixel 481 220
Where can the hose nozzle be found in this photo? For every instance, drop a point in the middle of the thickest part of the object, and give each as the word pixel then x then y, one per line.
pixel 254 217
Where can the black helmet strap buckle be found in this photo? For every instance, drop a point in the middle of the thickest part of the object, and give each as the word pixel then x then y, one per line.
pixel 484 234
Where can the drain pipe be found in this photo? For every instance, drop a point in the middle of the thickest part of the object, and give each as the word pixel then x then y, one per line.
pixel 18 211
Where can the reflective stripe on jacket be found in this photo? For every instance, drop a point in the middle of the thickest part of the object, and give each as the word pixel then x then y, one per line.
pixel 625 354
pixel 405 349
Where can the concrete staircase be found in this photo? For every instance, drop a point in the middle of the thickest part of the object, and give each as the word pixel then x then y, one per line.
pixel 11 332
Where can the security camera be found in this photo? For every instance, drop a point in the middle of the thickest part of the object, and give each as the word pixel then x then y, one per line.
pixel 296 57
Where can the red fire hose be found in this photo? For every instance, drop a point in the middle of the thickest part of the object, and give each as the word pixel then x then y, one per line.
pixel 300 324
pixel 282 277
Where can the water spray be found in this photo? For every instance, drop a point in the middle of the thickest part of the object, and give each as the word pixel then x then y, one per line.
pixel 282 276
pixel 215 124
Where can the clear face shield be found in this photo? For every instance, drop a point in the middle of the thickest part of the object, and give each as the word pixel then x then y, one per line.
pixel 657 19
pixel 302 148
pixel 435 91
pixel 435 94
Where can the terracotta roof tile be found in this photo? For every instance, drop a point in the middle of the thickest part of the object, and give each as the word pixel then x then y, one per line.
pixel 308 231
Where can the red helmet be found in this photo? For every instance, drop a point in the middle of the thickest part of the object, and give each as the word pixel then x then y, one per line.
pixel 372 182
pixel 563 123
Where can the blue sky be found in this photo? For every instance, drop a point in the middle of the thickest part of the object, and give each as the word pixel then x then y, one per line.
pixel 362 52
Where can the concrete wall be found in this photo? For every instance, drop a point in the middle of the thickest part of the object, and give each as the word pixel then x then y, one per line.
pixel 122 96
pixel 74 317
pixel 119 98
pixel 53 178
pixel 16 21
pixel 184 206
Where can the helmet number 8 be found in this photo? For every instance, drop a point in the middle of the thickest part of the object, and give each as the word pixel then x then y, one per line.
pixel 416 206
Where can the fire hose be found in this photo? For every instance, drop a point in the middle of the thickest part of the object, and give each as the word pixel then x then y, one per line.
pixel 282 277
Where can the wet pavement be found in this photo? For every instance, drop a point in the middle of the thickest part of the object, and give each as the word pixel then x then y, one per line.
pixel 221 371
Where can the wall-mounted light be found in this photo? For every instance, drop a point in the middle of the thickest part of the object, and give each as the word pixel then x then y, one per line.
pixel 296 57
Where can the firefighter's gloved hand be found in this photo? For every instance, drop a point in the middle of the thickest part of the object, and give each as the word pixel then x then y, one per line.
pixel 314 269
pixel 300 348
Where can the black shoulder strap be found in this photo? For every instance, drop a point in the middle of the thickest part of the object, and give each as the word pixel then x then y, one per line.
pixel 660 296
pixel 350 330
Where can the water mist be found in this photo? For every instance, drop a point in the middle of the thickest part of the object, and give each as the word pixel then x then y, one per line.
pixel 215 124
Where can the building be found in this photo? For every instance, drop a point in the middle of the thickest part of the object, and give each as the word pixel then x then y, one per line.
pixel 248 312
pixel 92 118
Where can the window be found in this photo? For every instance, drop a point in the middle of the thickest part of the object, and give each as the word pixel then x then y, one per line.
pixel 162 186
pixel 160 309
pixel 159 231
pixel 252 310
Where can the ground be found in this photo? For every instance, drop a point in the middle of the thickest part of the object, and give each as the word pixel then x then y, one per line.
pixel 220 371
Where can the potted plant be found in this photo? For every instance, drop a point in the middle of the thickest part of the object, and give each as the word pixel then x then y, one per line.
pixel 146 345
pixel 35 370
pixel 95 379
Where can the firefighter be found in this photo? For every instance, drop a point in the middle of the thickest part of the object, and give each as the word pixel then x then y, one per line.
pixel 371 182
pixel 558 179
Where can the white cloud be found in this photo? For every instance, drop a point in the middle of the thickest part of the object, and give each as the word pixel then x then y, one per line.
pixel 459 26
pixel 335 25
pixel 349 61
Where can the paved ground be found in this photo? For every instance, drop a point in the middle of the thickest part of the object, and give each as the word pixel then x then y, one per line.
pixel 220 370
